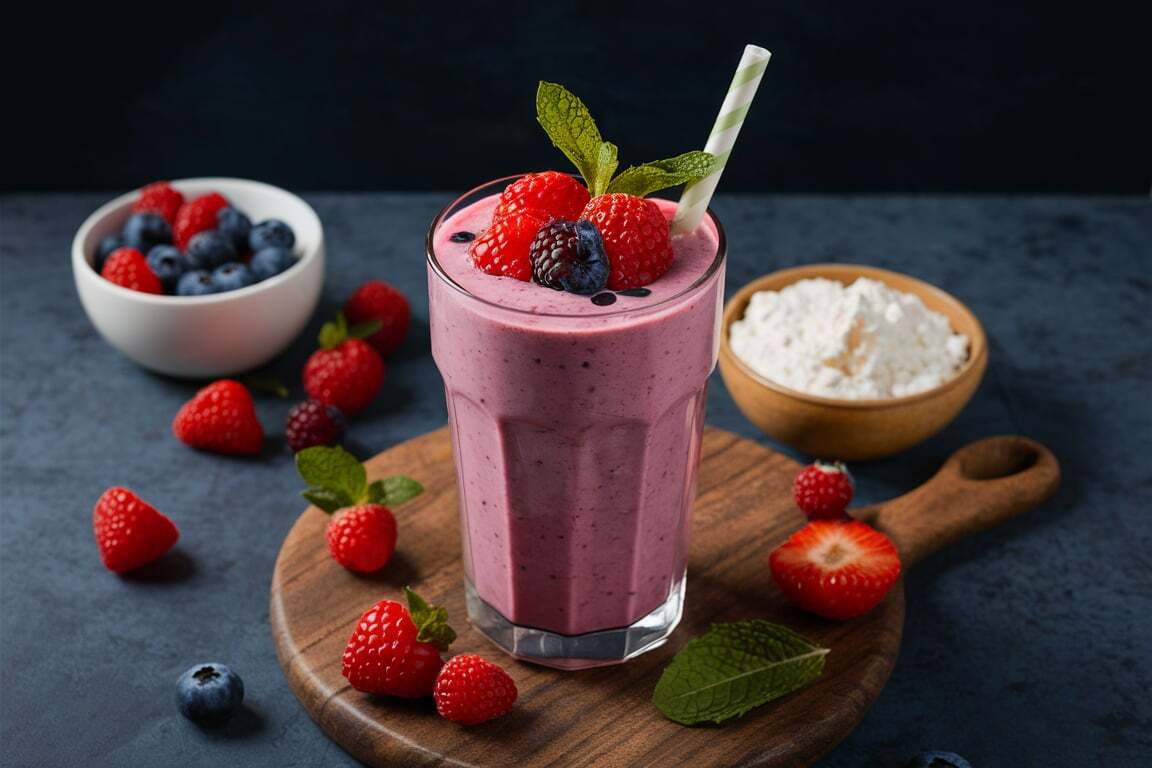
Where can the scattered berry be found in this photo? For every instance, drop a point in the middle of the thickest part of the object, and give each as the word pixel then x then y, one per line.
pixel 838 570
pixel 167 263
pixel 159 197
pixel 232 276
pixel 462 237
pixel 129 531
pixel 569 256
pixel 313 423
pixel 271 233
pixel 471 690
pixel 270 262
pixel 197 216
pixel 362 538
pixel 823 490
pixel 104 250
pixel 503 248
pixel 209 249
pixel 209 694
pixel 395 651
pixel 234 225
pixel 938 760
pixel 345 372
pixel 143 231
pixel 636 238
pixel 128 268
pixel 196 283
pixel 377 300
pixel 221 419
pixel 557 194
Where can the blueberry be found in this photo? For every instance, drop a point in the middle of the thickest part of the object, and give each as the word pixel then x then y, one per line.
pixel 270 261
pixel 235 225
pixel 271 233
pixel 938 760
pixel 106 246
pixel 463 237
pixel 604 299
pixel 569 256
pixel 144 230
pixel 196 283
pixel 209 249
pixel 209 694
pixel 167 263
pixel 232 276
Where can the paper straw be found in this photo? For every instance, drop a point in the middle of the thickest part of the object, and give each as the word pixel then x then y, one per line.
pixel 694 202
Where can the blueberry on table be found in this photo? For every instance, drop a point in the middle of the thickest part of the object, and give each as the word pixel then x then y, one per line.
pixel 167 263
pixel 938 760
pixel 198 282
pixel 270 261
pixel 235 225
pixel 232 276
pixel 144 230
pixel 104 248
pixel 209 694
pixel 210 249
pixel 271 233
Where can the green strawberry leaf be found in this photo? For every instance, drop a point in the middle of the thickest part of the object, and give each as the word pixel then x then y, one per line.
pixel 430 620
pixel 365 329
pixel 334 333
pixel 327 500
pixel 334 471
pixel 572 130
pixel 642 180
pixel 733 668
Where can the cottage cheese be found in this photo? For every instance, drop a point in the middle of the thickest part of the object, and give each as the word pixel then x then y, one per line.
pixel 864 341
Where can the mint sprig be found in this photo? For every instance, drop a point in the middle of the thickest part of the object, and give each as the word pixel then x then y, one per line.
pixel 734 667
pixel 337 331
pixel 569 124
pixel 337 479
pixel 431 621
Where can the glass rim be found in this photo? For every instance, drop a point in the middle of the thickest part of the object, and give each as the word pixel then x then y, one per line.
pixel 438 270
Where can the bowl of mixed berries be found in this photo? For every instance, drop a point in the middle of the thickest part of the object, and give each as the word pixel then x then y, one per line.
pixel 200 277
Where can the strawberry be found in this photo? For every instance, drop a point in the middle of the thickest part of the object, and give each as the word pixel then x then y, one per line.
pixel 395 651
pixel 129 531
pixel 346 371
pixel 838 570
pixel 128 268
pixel 377 300
pixel 556 194
pixel 197 216
pixel 159 197
pixel 471 690
pixel 362 532
pixel 502 249
pixel 636 238
pixel 823 490
pixel 221 419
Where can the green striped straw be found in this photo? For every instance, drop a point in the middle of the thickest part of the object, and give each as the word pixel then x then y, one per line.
pixel 694 202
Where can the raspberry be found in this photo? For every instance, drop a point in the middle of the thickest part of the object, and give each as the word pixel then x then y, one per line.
pixel 313 423
pixel 503 248
pixel 197 216
pixel 159 197
pixel 388 656
pixel 557 194
pixel 221 419
pixel 377 300
pixel 471 690
pixel 347 376
pixel 129 531
pixel 636 238
pixel 362 538
pixel 569 256
pixel 823 490
pixel 128 268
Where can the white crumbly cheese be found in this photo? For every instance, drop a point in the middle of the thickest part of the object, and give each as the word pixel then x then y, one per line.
pixel 865 341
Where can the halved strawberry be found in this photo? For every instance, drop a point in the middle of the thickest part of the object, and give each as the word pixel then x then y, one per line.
pixel 834 569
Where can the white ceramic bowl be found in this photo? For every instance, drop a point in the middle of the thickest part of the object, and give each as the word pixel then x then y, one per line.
pixel 215 335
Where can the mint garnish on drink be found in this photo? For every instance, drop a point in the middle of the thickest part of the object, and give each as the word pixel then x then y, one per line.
pixel 338 480
pixel 733 668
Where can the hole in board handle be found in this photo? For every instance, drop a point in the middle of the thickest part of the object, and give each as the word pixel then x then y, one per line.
pixel 999 460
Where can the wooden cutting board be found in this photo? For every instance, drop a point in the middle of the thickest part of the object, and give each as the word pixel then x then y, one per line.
pixel 604 717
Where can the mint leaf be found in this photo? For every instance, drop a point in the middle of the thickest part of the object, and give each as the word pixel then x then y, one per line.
pixel 642 180
pixel 430 620
pixel 399 489
pixel 365 329
pixel 266 383
pixel 733 668
pixel 329 501
pixel 334 333
pixel 334 471
pixel 573 131
pixel 606 163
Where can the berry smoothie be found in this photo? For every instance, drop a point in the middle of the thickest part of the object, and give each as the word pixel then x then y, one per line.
pixel 576 426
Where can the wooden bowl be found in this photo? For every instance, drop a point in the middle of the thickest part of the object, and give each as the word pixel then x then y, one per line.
pixel 852 430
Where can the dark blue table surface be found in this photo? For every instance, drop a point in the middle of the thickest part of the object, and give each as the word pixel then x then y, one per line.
pixel 1029 645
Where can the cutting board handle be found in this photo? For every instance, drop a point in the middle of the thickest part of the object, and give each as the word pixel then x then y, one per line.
pixel 980 486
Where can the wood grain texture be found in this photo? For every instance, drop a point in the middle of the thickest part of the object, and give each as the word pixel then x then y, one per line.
pixel 600 717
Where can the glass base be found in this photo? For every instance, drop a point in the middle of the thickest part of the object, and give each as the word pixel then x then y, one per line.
pixel 594 649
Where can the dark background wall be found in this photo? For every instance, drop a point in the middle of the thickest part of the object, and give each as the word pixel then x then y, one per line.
pixel 861 96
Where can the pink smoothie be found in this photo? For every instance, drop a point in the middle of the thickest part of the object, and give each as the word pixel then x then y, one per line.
pixel 576 429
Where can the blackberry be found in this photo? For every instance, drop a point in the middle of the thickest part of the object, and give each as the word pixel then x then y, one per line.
pixel 569 256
